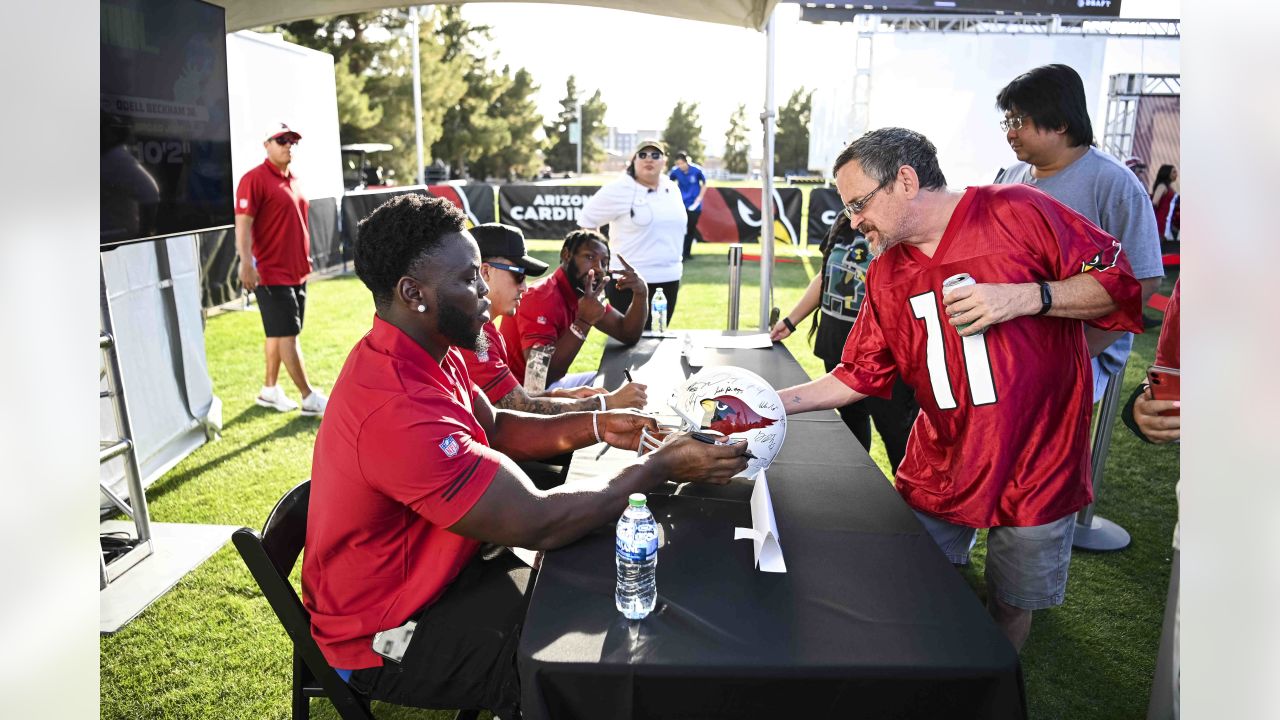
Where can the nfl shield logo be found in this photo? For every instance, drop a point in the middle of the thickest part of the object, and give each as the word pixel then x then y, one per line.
pixel 482 356
pixel 449 446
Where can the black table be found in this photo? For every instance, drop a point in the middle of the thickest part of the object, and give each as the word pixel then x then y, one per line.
pixel 870 620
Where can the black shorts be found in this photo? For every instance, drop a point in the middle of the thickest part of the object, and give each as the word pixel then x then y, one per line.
pixel 463 652
pixel 282 308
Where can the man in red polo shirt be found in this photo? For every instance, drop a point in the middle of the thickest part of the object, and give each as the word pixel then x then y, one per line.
pixel 504 264
pixel 275 259
pixel 414 469
pixel 562 309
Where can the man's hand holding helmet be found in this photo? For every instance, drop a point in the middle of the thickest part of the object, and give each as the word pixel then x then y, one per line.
pixel 689 460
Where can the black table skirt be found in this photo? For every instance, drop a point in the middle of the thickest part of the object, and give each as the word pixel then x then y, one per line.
pixel 869 621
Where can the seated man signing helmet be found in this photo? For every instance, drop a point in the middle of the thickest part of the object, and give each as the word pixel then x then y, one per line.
pixel 414 469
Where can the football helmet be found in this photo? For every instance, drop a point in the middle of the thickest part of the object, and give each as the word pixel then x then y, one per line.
pixel 735 403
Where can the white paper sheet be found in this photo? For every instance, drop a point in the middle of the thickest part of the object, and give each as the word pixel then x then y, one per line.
pixel 764 531
pixel 738 342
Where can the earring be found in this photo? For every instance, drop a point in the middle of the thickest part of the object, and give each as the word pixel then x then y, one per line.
pixel 422 308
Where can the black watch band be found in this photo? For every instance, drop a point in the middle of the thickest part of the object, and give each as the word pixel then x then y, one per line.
pixel 1046 297
pixel 790 325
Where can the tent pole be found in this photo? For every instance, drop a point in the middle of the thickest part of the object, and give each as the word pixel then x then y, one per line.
pixel 766 193
pixel 417 93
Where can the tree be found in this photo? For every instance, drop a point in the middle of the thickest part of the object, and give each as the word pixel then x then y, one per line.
pixel 384 67
pixel 515 105
pixel 791 143
pixel 470 130
pixel 563 155
pixel 684 131
pixel 737 149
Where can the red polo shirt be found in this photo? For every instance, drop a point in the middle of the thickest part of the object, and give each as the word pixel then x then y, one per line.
pixel 398 458
pixel 545 312
pixel 489 371
pixel 281 241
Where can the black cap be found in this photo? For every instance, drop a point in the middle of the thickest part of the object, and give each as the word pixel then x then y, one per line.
pixel 498 240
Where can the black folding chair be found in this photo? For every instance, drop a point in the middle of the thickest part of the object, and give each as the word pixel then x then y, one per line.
pixel 270 558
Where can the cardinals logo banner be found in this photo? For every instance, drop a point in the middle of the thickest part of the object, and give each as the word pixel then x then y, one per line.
pixel 824 208
pixel 733 215
pixel 476 201
pixel 542 211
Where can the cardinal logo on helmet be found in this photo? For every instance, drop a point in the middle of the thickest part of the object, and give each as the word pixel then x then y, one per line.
pixel 727 414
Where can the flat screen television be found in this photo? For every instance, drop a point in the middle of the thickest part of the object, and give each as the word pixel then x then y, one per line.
pixel 165 164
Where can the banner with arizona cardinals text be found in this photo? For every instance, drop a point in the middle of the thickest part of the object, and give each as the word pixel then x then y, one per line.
pixel 474 200
pixel 543 212
pixel 733 215
pixel 824 208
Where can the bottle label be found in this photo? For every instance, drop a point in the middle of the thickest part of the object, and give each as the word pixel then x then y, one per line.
pixel 636 546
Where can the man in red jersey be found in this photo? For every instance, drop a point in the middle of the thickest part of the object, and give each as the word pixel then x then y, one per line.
pixel 1000 368
pixel 504 265
pixel 414 469
pixel 275 259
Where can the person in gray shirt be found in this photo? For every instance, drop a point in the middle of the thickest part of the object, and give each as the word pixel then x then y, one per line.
pixel 1046 122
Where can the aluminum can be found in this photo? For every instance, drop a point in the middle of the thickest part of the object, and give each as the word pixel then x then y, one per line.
pixel 954 282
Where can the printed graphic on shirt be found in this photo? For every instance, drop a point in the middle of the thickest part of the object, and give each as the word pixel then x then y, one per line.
pixel 846 279
pixel 1104 260
pixel 542 319
pixel 449 446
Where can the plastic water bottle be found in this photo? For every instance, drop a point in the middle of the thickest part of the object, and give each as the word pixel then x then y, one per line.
pixel 659 308
pixel 636 549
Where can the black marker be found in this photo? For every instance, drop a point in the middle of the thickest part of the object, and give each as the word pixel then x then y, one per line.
pixel 714 440
pixel 627 372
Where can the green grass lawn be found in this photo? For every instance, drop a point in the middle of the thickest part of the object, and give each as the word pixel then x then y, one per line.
pixel 211 647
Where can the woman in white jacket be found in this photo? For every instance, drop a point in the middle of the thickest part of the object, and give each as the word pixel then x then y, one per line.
pixel 646 219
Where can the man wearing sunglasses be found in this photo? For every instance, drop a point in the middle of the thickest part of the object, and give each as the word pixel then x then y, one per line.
pixel 1046 123
pixel 275 259
pixel 504 265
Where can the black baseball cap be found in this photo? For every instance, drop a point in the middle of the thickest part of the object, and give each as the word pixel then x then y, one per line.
pixel 498 240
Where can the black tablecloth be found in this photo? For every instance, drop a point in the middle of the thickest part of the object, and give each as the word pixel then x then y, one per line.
pixel 868 621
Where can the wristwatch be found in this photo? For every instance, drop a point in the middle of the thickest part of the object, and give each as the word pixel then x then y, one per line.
pixel 1046 297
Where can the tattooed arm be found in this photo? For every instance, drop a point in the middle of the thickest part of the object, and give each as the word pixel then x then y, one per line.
pixel 822 394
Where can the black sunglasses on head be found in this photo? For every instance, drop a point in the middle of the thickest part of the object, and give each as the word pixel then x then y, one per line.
pixel 653 155
pixel 519 272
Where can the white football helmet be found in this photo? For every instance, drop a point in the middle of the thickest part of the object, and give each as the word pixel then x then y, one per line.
pixel 736 403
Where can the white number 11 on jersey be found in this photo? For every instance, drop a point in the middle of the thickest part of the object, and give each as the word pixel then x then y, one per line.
pixel 976 363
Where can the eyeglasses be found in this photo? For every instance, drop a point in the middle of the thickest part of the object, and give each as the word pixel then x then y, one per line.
pixel 1012 123
pixel 856 207
pixel 654 155
pixel 285 140
pixel 519 272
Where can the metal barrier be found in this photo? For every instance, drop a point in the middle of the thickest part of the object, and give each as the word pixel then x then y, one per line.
pixel 1092 531
pixel 735 283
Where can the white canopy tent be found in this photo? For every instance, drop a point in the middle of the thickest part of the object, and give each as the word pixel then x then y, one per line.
pixel 754 14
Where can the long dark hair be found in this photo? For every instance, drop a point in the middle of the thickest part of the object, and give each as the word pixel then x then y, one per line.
pixel 840 230
pixel 1163 177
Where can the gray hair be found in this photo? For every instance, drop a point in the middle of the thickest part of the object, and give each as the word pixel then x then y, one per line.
pixel 881 152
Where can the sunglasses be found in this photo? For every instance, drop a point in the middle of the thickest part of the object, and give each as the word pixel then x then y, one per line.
pixel 519 272
pixel 652 155
pixel 285 140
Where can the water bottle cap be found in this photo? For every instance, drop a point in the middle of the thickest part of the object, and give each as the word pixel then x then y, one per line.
pixel 637 500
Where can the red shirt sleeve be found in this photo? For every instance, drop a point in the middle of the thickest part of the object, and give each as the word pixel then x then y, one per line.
pixel 536 321
pixel 248 194
pixel 489 372
pixel 1077 246
pixel 1168 347
pixel 866 365
pixel 425 459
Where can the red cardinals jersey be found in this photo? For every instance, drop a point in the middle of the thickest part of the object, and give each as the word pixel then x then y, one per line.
pixel 1003 433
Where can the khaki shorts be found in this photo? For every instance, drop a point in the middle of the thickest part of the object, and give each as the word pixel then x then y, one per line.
pixel 1026 566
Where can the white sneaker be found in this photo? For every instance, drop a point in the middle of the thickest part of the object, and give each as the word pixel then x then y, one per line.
pixel 314 404
pixel 274 397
